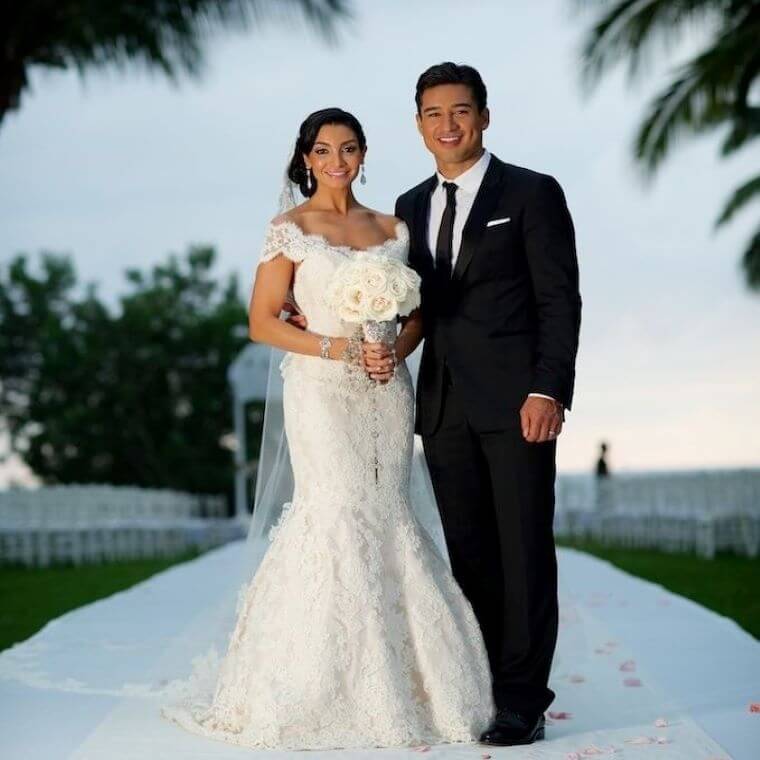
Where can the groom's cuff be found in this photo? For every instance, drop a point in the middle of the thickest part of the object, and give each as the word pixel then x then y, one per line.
pixel 542 395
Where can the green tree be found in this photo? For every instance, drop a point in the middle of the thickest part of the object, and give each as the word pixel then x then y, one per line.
pixel 139 396
pixel 162 35
pixel 709 91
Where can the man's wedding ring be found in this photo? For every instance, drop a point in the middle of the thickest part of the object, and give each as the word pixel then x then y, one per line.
pixel 552 432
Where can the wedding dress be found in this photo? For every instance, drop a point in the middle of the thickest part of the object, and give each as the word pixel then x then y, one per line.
pixel 353 631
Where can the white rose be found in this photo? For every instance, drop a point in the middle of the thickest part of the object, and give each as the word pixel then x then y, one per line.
pixel 397 287
pixel 347 314
pixel 352 275
pixel 374 280
pixel 411 277
pixel 382 308
pixel 353 297
pixel 409 304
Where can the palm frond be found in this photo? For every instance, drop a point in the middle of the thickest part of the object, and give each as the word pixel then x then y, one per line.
pixel 746 120
pixel 162 35
pixel 632 29
pixel 701 97
pixel 744 127
pixel 751 262
pixel 166 35
pixel 740 197
pixel 683 107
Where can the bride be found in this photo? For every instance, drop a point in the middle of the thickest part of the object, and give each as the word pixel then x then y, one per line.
pixel 352 632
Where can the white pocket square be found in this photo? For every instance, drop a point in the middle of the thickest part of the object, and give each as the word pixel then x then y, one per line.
pixel 494 222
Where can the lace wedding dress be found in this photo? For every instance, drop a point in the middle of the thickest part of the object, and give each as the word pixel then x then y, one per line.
pixel 353 632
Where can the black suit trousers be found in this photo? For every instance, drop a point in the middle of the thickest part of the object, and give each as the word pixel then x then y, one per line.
pixel 495 493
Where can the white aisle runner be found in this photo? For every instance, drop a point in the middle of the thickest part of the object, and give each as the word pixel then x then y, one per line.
pixel 641 673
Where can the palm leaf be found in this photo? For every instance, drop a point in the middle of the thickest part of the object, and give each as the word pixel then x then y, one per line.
pixel 751 262
pixel 746 120
pixel 709 91
pixel 745 127
pixel 162 35
pixel 632 29
pixel 740 197
pixel 701 96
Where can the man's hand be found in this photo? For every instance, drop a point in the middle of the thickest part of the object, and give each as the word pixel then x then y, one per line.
pixel 296 318
pixel 379 361
pixel 541 419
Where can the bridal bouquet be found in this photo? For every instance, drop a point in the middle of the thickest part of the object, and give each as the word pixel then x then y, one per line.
pixel 373 290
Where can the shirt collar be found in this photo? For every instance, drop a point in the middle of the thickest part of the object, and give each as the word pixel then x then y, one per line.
pixel 470 180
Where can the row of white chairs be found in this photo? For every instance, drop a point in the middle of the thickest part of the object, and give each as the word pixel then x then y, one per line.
pixel 705 535
pixel 47 545
pixel 702 512
pixel 87 504
pixel 87 523
pixel 686 493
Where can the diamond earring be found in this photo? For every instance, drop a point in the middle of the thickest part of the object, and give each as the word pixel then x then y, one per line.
pixel 363 178
pixel 308 178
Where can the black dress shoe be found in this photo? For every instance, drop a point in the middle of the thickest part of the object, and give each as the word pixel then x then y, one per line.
pixel 510 727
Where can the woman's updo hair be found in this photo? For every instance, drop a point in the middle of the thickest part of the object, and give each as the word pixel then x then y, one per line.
pixel 307 136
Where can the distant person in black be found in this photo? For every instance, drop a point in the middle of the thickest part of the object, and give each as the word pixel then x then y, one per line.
pixel 602 469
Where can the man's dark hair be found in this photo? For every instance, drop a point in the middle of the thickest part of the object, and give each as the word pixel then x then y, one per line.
pixel 452 73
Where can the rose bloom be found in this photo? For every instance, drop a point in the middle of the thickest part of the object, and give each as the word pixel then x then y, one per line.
pixel 397 288
pixel 347 314
pixel 409 304
pixel 411 277
pixel 383 308
pixel 353 296
pixel 374 280
pixel 352 275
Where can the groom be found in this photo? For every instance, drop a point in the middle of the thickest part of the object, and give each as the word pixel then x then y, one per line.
pixel 495 248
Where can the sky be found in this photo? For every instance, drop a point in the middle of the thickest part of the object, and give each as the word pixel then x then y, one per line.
pixel 123 168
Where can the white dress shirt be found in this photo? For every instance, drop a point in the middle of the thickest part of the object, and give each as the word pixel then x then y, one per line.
pixel 468 183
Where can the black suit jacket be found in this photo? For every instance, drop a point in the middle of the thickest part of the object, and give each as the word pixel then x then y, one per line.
pixel 508 322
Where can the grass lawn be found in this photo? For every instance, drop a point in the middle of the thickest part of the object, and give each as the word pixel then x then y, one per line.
pixel 29 597
pixel 726 584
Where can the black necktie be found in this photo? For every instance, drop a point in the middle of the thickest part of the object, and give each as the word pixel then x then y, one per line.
pixel 444 245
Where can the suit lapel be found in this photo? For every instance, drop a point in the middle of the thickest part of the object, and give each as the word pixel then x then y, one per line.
pixel 485 200
pixel 421 214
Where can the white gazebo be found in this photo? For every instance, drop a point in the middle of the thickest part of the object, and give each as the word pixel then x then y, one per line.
pixel 247 376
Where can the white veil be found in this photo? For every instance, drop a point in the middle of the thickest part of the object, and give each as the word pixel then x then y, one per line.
pixel 274 474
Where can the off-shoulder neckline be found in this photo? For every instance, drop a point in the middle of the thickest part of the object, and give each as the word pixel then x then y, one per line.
pixel 399 229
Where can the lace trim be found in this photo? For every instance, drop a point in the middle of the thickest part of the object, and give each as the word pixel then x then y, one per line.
pixel 289 239
pixel 354 634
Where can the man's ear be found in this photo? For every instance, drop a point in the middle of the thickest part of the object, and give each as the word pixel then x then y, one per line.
pixel 418 119
pixel 486 116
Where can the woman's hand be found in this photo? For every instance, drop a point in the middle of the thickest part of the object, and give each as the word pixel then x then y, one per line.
pixel 379 361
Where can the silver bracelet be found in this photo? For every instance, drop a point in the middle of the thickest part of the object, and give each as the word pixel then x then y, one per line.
pixel 352 353
pixel 324 347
